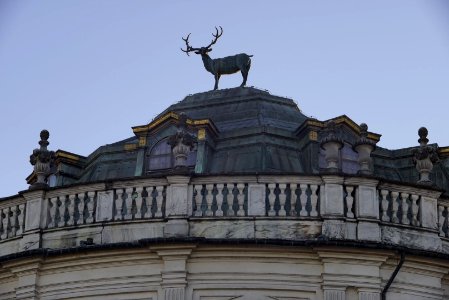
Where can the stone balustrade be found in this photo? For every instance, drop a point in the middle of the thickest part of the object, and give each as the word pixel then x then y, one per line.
pixel 330 206
pixel 220 199
pixel 71 209
pixel 12 215
pixel 443 218
pixel 140 202
pixel 409 206
pixel 294 199
pixel 400 207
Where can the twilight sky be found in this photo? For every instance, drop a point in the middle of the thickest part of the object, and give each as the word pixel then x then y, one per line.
pixel 90 70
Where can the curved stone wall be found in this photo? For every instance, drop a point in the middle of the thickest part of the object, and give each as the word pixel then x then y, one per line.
pixel 200 271
pixel 228 237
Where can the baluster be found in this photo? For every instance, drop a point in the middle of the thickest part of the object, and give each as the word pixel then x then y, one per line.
pixel 230 199
pixel 394 207
pixel 119 205
pixel 71 210
pixel 149 202
pixel 282 199
pixel 13 221
pixel 20 219
pixel 128 204
pixel 209 199
pixel 441 219
pixel 52 211
pixel 198 200
pixel 139 201
pixel 159 199
pixel 271 199
pixel 219 197
pixel 415 208
pixel 61 210
pixel 314 200
pixel 90 207
pixel 404 206
pixel 349 201
pixel 80 208
pixel 5 216
pixel 303 198
pixel 384 203
pixel 294 202
pixel 241 200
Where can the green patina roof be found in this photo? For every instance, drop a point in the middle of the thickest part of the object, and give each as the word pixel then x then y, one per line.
pixel 257 133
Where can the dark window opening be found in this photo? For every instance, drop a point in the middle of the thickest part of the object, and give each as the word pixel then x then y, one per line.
pixel 161 156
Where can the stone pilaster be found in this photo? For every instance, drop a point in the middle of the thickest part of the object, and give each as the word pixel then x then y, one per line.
pixel 105 204
pixel 178 207
pixel 27 272
pixel 367 208
pixel 36 210
pixel 428 208
pixel 256 199
pixel 332 197
pixel 35 219
pixel 174 271
pixel 351 268
pixel 332 207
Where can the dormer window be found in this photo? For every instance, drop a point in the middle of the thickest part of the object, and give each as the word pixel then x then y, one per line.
pixel 161 157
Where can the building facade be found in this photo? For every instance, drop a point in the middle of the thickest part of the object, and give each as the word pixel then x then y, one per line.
pixel 232 194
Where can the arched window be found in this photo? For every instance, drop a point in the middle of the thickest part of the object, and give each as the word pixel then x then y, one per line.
pixel 161 156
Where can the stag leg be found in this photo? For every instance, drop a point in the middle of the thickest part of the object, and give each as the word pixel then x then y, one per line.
pixel 245 70
pixel 217 78
pixel 245 76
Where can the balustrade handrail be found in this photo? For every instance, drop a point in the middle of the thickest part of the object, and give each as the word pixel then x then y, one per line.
pixel 277 196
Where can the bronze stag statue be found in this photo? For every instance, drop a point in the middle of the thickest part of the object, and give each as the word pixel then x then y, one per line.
pixel 219 66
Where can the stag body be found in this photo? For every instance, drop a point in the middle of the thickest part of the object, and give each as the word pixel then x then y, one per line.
pixel 219 66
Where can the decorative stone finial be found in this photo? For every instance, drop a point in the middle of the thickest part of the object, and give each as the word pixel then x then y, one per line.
pixel 364 147
pixel 423 140
pixel 331 145
pixel 182 142
pixel 42 159
pixel 424 157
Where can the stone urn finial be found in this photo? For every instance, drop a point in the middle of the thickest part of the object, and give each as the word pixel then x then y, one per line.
pixel 42 159
pixel 364 147
pixel 424 157
pixel 181 142
pixel 331 144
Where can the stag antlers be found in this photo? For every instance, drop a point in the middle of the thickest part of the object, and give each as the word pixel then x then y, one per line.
pixel 207 48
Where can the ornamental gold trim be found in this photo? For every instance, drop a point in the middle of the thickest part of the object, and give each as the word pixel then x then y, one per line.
pixel 142 141
pixel 346 120
pixel 313 136
pixel 201 122
pixel 201 134
pixel 171 115
pixel 315 123
pixel 444 150
pixel 67 155
pixel 130 147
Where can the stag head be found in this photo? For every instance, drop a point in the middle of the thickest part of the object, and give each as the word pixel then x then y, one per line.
pixel 202 50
